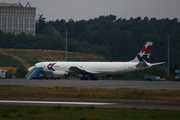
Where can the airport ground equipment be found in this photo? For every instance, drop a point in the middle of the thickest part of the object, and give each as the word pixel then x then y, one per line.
pixel 151 77
pixel 177 75
pixel 3 74
pixel 33 73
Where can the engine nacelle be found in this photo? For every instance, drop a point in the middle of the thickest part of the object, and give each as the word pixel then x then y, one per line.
pixel 60 74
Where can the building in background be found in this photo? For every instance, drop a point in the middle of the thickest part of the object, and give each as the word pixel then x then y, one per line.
pixel 16 18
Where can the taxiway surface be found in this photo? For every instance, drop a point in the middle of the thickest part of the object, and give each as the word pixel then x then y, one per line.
pixel 169 85
pixel 86 103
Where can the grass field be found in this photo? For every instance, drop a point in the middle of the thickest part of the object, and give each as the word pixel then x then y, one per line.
pixel 28 57
pixel 21 112
pixel 9 112
pixel 59 92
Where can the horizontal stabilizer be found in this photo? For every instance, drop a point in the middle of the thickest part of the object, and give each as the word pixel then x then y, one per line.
pixel 159 63
pixel 142 64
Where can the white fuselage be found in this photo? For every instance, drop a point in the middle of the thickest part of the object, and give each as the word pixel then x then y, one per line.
pixel 93 69
pixel 98 68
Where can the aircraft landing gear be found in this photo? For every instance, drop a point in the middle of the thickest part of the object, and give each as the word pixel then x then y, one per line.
pixel 84 78
pixel 91 77
pixel 94 78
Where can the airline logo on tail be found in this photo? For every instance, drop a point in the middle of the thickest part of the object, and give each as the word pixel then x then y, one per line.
pixel 144 54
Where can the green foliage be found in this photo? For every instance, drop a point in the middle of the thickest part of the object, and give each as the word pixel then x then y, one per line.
pixel 21 72
pixel 27 57
pixel 6 60
pixel 112 38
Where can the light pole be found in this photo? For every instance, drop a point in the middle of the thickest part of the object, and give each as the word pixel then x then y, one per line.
pixel 168 54
pixel 66 45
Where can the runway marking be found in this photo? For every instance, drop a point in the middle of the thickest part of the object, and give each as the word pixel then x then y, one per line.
pixel 53 102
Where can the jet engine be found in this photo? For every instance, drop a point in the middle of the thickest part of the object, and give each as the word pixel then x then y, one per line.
pixel 60 74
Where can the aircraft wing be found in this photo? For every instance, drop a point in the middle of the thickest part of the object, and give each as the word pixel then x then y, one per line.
pixel 74 69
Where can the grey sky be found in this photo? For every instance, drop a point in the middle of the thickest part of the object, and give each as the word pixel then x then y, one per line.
pixel 89 9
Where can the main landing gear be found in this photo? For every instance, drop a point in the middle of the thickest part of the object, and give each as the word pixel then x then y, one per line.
pixel 88 77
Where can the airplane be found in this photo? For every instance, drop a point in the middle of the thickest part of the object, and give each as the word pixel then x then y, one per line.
pixel 93 70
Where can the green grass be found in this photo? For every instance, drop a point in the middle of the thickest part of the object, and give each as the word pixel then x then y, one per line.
pixel 28 57
pixel 59 92
pixel 9 61
pixel 18 112
pixel 21 112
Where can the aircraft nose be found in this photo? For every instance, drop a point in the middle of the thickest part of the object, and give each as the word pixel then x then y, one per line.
pixel 39 65
pixel 36 65
pixel 29 69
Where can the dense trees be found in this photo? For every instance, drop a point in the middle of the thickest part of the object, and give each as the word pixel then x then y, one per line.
pixel 115 39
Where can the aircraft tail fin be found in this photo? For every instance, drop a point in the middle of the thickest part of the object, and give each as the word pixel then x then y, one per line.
pixel 144 53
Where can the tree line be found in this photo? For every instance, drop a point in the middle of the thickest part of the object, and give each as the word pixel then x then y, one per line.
pixel 115 39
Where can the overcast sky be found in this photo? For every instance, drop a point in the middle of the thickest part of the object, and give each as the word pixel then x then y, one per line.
pixel 89 9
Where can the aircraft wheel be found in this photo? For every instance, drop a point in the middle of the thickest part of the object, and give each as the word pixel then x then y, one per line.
pixel 84 78
pixel 93 78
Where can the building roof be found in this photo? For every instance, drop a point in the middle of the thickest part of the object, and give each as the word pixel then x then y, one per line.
pixel 4 4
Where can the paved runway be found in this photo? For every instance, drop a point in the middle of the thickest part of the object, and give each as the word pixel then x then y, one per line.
pixel 86 103
pixel 169 85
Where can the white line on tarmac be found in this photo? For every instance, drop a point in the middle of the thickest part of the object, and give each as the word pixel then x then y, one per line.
pixel 53 102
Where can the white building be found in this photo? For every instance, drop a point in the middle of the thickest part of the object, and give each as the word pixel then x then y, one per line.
pixel 16 18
